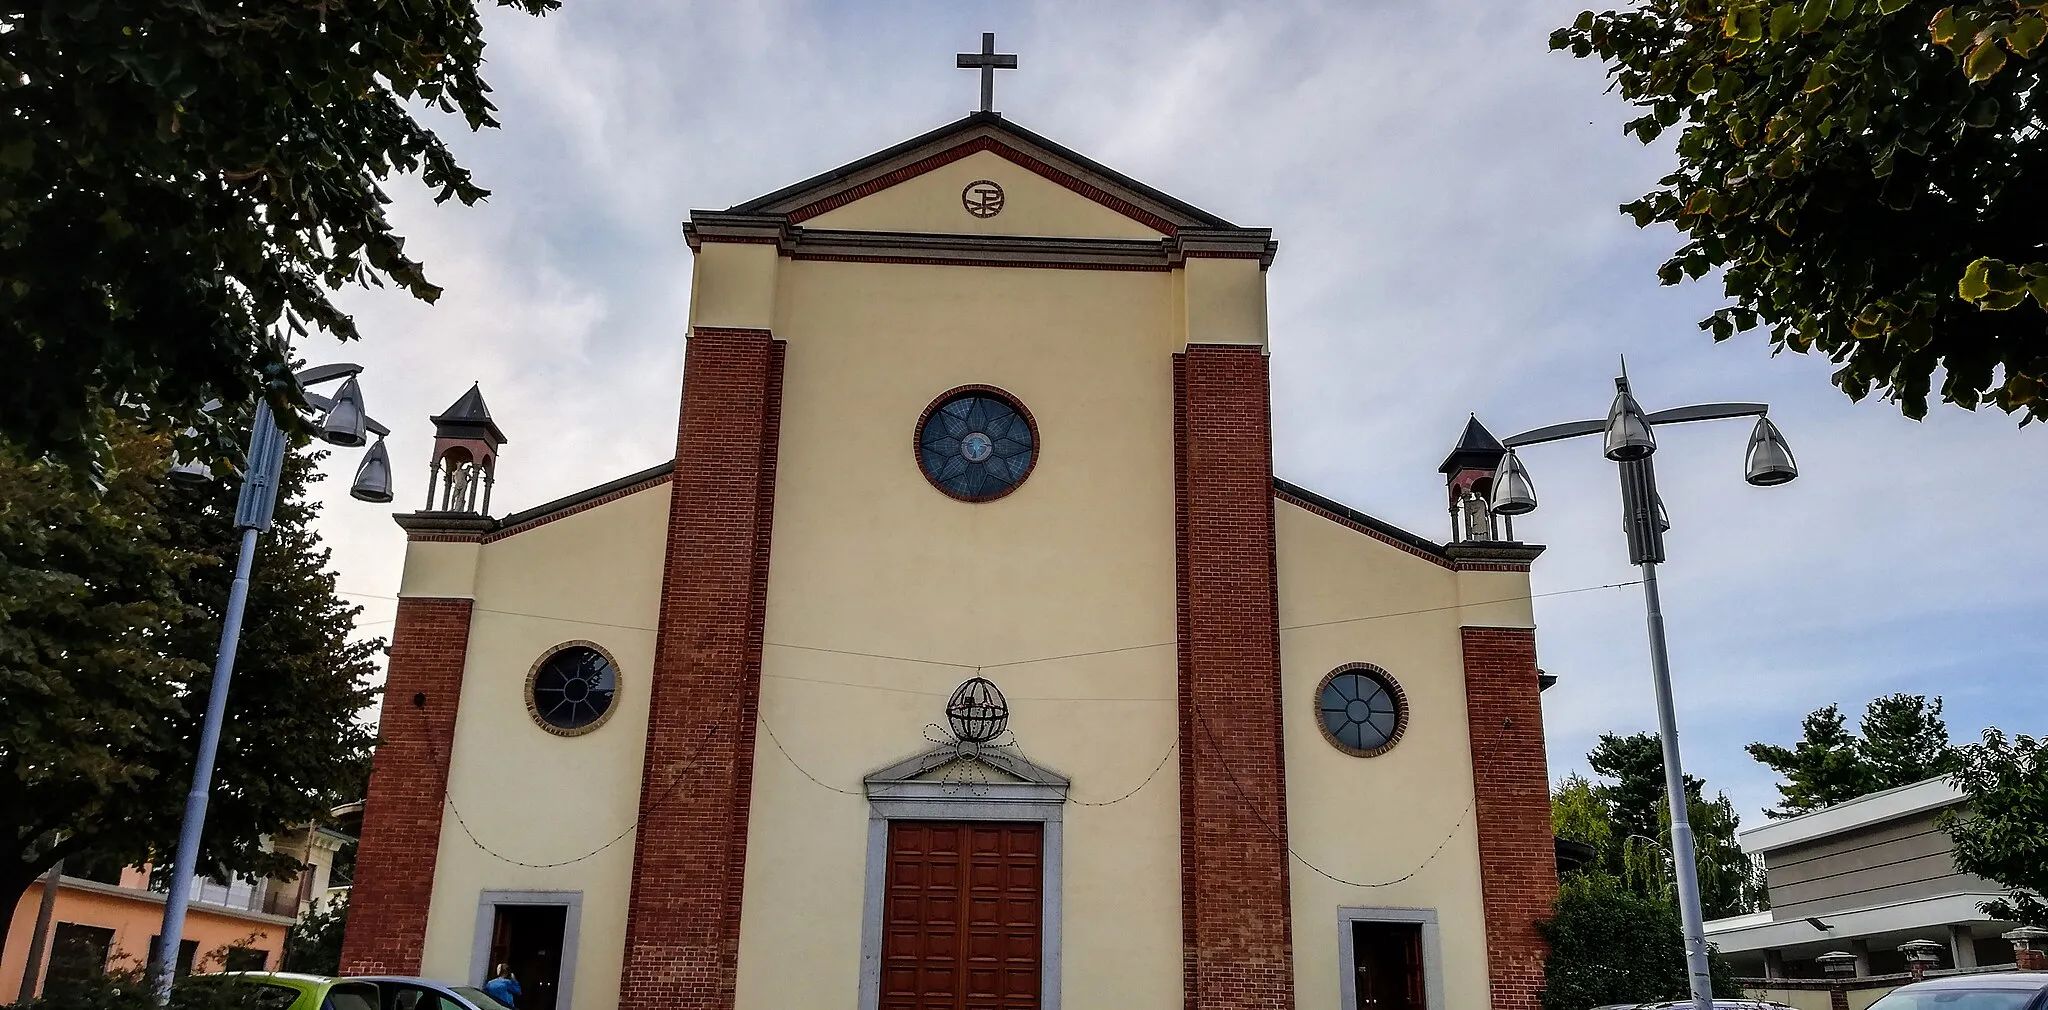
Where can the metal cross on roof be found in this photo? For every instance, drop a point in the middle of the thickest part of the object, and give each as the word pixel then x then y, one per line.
pixel 988 61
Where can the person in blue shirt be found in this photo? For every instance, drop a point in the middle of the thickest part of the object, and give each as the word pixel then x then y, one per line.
pixel 503 987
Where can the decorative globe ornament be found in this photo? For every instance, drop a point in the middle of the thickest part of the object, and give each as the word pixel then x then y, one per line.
pixel 977 712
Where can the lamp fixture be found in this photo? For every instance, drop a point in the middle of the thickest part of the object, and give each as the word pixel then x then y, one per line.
pixel 1628 432
pixel 1513 492
pixel 345 421
pixel 1769 460
pixel 373 476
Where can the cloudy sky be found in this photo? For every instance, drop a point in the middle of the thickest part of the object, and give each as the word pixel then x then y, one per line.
pixel 1443 189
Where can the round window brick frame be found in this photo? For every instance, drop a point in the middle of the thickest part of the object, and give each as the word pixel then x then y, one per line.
pixel 1393 686
pixel 1016 404
pixel 533 674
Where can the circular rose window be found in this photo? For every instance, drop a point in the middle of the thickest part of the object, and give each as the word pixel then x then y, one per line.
pixel 976 443
pixel 1361 709
pixel 571 690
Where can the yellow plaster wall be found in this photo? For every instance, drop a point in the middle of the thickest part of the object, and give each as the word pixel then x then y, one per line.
pixel 869 558
pixel 1032 205
pixel 526 793
pixel 1372 820
pixel 734 285
pixel 445 570
pixel 1225 301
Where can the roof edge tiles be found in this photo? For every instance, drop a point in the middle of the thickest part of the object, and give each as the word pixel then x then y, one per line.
pixel 853 173
pixel 1380 526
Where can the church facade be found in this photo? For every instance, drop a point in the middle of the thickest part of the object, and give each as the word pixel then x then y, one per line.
pixel 967 654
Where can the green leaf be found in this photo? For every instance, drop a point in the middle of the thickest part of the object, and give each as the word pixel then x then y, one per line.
pixel 1745 23
pixel 2027 33
pixel 1843 10
pixel 1976 282
pixel 1784 19
pixel 2002 300
pixel 1891 7
pixel 1983 113
pixel 1702 80
pixel 1813 15
pixel 1986 60
pixel 1822 75
pixel 1942 28
pixel 20 154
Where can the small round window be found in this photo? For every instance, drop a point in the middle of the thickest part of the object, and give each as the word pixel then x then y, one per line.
pixel 1361 710
pixel 572 689
pixel 976 444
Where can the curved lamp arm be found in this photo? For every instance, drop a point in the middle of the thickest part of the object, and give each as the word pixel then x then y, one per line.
pixel 1676 415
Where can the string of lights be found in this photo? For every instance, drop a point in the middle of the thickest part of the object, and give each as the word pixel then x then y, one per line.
pixel 1304 860
pixel 1045 659
pixel 448 797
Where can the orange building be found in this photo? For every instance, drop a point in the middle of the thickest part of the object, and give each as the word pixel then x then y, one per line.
pixel 96 925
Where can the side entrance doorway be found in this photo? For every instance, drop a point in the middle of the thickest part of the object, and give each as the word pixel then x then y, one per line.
pixel 962 921
pixel 529 938
pixel 1388 958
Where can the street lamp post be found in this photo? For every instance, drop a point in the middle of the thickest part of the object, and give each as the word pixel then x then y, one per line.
pixel 343 423
pixel 1629 441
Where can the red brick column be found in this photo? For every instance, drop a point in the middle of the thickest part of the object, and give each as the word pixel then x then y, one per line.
pixel 1517 854
pixel 394 879
pixel 1237 946
pixel 689 861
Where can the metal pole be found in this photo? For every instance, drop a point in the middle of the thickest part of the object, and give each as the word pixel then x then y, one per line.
pixel 1683 864
pixel 38 941
pixel 253 510
pixel 183 868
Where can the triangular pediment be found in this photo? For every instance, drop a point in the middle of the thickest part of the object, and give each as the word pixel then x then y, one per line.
pixel 922 186
pixel 957 764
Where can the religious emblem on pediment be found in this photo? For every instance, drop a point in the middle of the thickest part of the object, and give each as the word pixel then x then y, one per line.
pixel 982 198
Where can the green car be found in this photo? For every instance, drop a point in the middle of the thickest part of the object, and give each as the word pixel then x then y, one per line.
pixel 281 990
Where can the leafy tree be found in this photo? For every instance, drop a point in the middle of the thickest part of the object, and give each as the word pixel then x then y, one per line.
pixel 110 608
pixel 1869 176
pixel 182 184
pixel 314 943
pixel 1903 740
pixel 1628 823
pixel 123 987
pixel 2003 832
pixel 1610 945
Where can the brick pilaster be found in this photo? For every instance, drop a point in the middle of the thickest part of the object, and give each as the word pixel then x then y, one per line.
pixel 682 927
pixel 1237 948
pixel 1517 854
pixel 394 878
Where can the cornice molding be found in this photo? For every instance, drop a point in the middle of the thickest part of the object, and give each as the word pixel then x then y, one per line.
pixel 968 249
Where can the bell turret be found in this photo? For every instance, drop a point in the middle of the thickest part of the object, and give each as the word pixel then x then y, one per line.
pixel 1468 475
pixel 465 464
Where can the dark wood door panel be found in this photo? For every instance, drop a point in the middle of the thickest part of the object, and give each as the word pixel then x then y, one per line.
pixel 962 910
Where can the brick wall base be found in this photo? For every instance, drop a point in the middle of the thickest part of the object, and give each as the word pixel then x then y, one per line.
pixel 394 878
pixel 1517 853
pixel 689 861
pixel 1237 947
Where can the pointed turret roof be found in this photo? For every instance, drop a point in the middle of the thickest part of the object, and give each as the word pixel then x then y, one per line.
pixel 468 417
pixel 1477 449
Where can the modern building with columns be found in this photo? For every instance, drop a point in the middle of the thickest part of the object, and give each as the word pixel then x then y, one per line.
pixel 968 653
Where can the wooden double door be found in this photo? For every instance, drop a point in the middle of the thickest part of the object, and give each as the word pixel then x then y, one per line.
pixel 962 916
